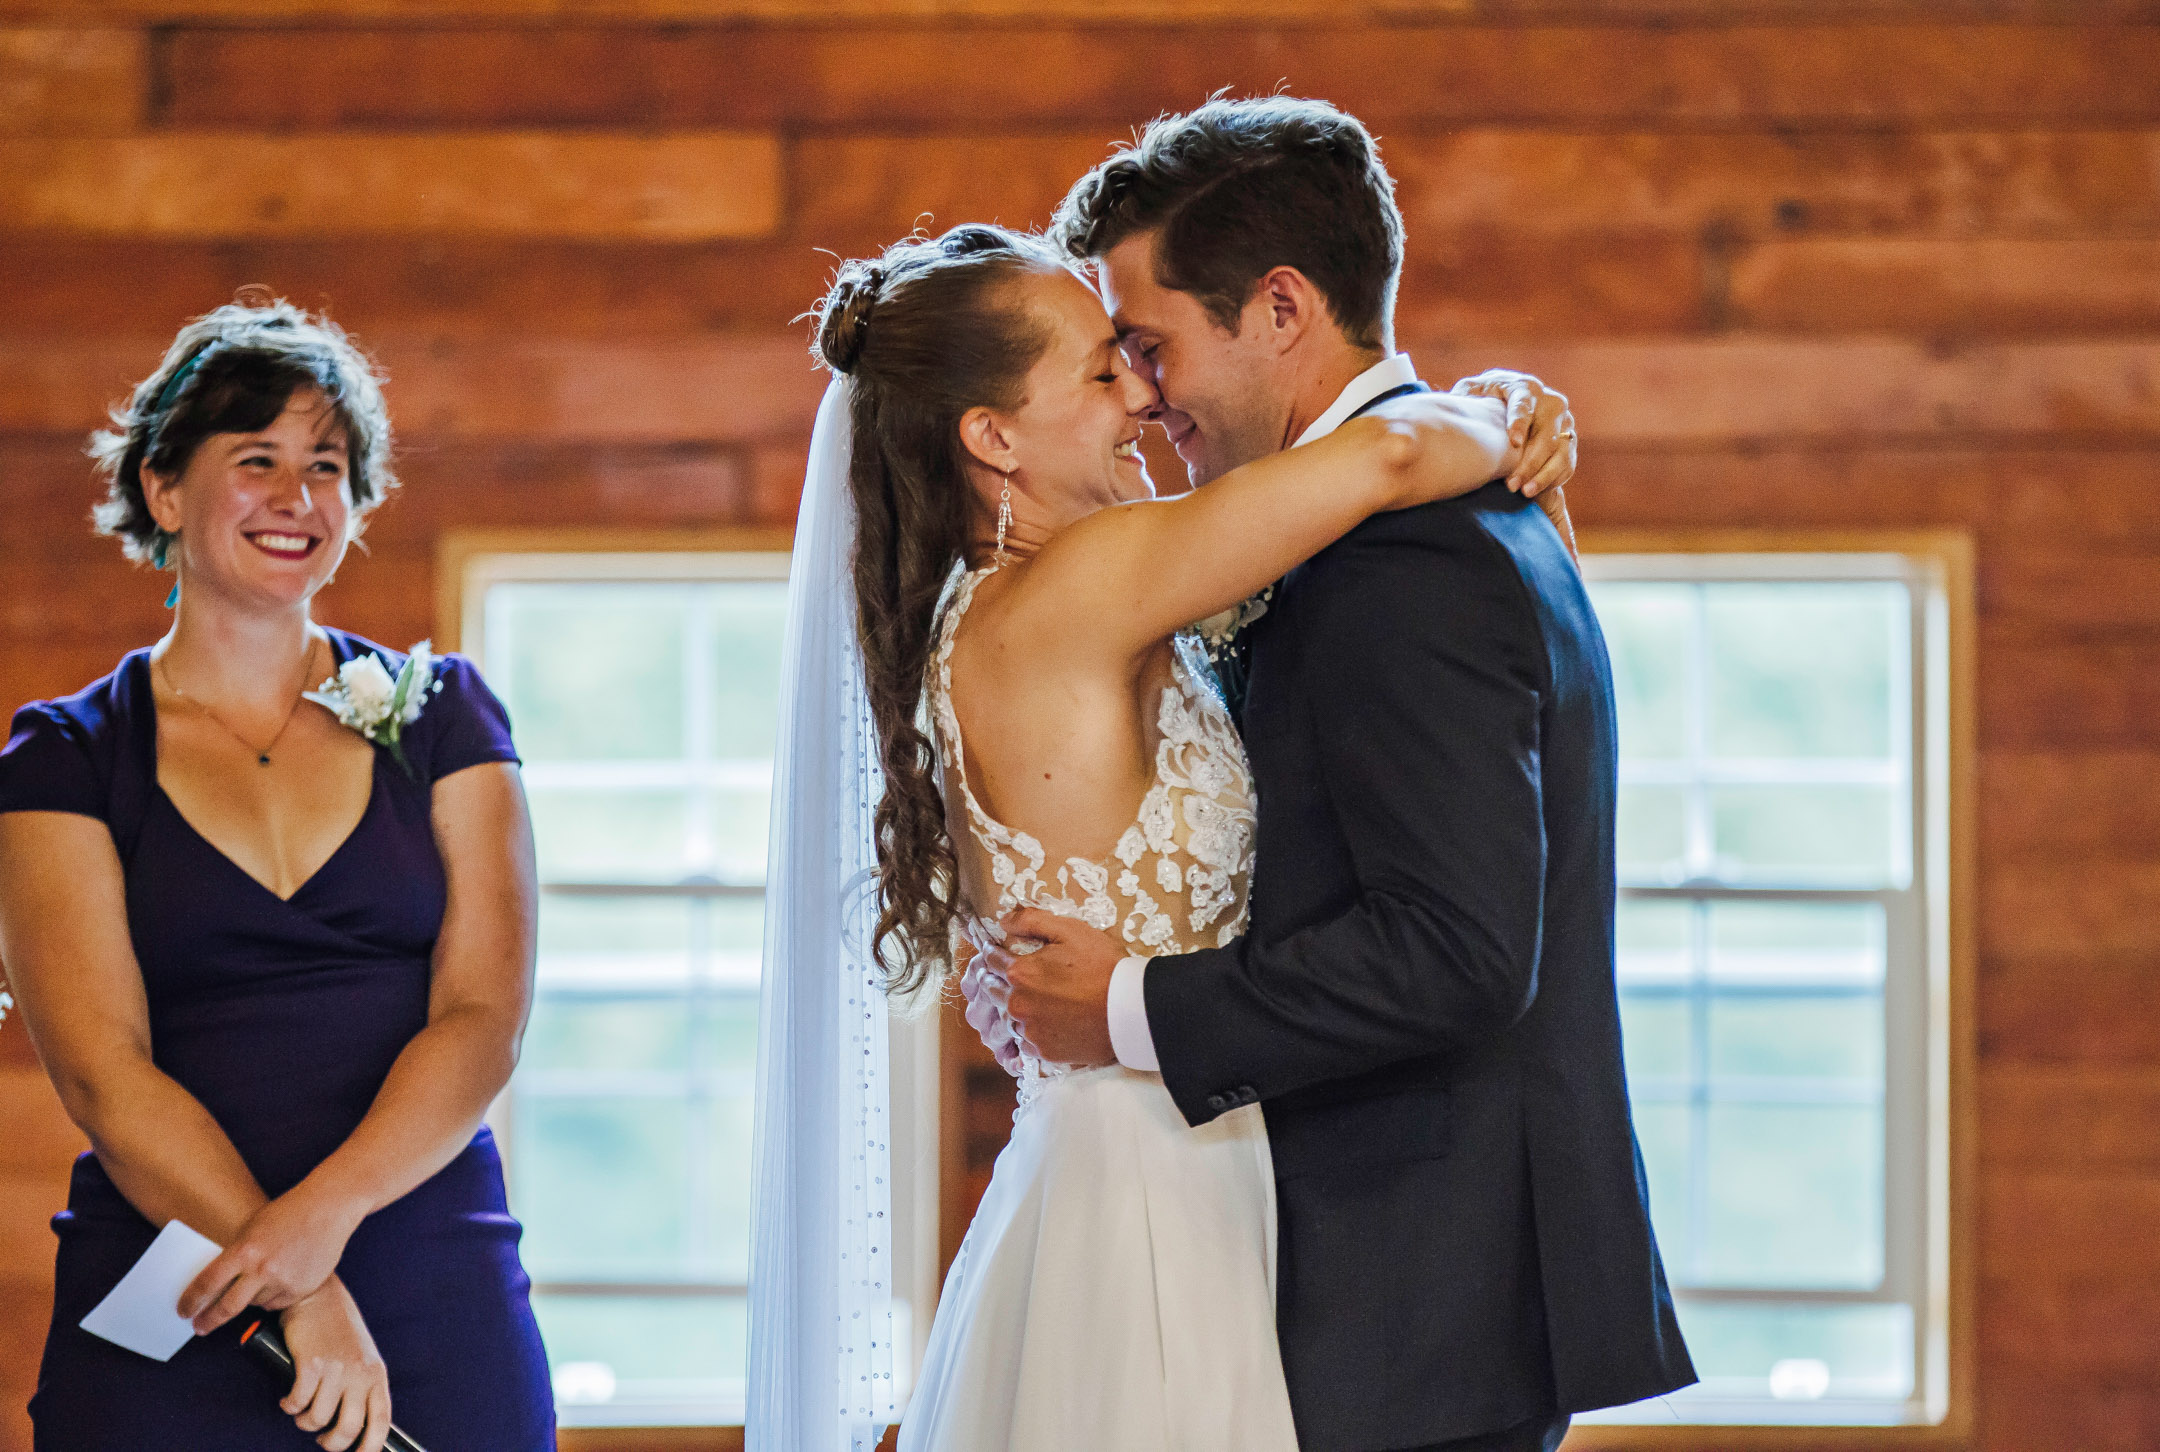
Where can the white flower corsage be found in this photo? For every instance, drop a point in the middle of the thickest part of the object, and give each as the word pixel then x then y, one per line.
pixel 1218 628
pixel 364 697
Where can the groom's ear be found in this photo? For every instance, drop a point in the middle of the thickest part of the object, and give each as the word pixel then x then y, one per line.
pixel 984 438
pixel 1289 305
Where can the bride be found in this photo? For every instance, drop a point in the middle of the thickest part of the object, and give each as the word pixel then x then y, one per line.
pixel 1049 735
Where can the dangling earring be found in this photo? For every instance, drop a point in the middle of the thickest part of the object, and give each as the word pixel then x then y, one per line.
pixel 1004 515
pixel 161 558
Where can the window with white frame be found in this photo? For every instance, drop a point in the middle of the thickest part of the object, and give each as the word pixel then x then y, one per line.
pixel 1782 956
pixel 643 689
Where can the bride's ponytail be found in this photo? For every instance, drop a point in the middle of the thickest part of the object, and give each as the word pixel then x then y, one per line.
pixel 927 332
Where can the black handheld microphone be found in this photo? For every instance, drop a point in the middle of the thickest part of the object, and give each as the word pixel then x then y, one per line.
pixel 267 1346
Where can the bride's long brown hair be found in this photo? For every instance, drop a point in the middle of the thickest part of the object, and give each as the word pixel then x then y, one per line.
pixel 928 331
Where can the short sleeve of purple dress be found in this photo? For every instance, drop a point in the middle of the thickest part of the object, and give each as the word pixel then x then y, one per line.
pixel 282 1016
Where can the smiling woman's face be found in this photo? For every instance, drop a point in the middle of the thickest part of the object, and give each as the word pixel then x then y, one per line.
pixel 1076 433
pixel 263 517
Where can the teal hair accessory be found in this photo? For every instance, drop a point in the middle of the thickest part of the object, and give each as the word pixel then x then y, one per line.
pixel 179 379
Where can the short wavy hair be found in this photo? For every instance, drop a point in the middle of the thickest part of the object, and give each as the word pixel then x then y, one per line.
pixel 233 371
pixel 1240 187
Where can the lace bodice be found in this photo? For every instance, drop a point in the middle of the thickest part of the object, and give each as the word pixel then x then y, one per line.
pixel 1177 878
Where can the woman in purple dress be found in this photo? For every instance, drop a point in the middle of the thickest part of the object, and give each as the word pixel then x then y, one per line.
pixel 276 970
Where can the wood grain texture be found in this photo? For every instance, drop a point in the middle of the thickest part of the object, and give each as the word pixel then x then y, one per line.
pixel 1957 288
pixel 28 1201
pixel 40 1135
pixel 702 185
pixel 2090 589
pixel 1742 184
pixel 657 391
pixel 1682 392
pixel 948 75
pixel 426 287
pixel 72 82
pixel 2073 1118
pixel 2080 1221
pixel 2055 497
pixel 28 1304
pixel 1122 12
pixel 2104 906
pixel 1729 186
pixel 1631 392
pixel 2071 804
pixel 1486 283
pixel 2065 1003
pixel 2041 690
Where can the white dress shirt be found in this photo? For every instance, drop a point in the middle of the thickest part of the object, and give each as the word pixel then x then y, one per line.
pixel 1130 1035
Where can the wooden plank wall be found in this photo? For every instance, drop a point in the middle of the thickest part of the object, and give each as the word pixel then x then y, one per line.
pixel 1878 262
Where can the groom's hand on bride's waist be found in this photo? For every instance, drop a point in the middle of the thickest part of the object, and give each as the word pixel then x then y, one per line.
pixel 1056 997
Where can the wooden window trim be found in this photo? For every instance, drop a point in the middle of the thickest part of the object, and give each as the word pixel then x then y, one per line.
pixel 1949 557
pixel 456 552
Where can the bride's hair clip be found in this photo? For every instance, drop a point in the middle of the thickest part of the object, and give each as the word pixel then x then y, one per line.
pixel 847 309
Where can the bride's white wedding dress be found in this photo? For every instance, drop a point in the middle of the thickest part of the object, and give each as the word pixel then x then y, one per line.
pixel 1115 1292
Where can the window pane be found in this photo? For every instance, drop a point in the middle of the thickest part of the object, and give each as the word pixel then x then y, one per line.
pixel 1795 1196
pixel 1656 1030
pixel 1810 833
pixel 739 825
pixel 1765 735
pixel 1663 1131
pixel 610 1179
pixel 611 836
pixel 645 1359
pixel 1643 623
pixel 647 715
pixel 595 671
pixel 748 619
pixel 1651 939
pixel 1862 1351
pixel 1797 942
pixel 735 937
pixel 1802 669
pixel 1785 1036
pixel 1652 836
pixel 614 941
pixel 573 1031
pixel 730 1192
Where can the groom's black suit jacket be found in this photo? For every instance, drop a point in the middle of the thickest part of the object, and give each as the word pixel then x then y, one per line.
pixel 1424 1001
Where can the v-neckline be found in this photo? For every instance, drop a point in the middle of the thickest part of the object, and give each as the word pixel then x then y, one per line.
pixel 339 654
pixel 374 791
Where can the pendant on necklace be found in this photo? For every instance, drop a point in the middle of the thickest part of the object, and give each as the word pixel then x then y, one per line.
pixel 263 758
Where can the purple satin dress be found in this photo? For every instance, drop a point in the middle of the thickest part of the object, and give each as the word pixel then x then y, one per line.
pixel 283 1017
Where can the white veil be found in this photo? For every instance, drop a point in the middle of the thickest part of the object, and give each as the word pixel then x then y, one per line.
pixel 821 1320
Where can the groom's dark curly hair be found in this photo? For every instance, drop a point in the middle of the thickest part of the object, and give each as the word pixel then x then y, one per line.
pixel 1240 187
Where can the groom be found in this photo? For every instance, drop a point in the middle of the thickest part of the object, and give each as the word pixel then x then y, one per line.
pixel 1424 1001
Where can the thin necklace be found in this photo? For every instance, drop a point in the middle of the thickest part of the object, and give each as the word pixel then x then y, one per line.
pixel 262 753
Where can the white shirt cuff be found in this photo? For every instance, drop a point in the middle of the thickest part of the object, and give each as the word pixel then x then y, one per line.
pixel 1129 1032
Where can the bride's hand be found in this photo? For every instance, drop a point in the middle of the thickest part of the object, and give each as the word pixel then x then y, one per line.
pixel 984 1016
pixel 1445 445
pixel 285 1252
pixel 1539 422
pixel 1554 503
pixel 341 1389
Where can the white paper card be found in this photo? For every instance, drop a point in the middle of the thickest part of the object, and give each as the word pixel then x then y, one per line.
pixel 142 1313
